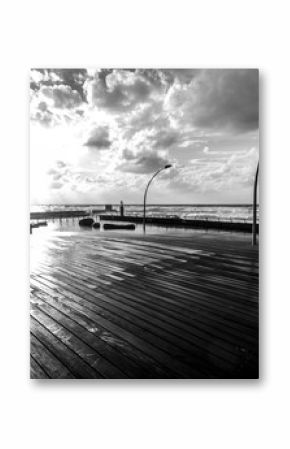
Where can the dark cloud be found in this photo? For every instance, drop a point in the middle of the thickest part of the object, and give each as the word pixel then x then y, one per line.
pixel 52 171
pixel 120 90
pixel 44 117
pixel 154 77
pixel 56 185
pixel 58 173
pixel 206 99
pixel 165 138
pixel 74 78
pixel 63 96
pixel 57 176
pixel 184 76
pixel 60 164
pixel 53 102
pixel 149 118
pixel 145 163
pixel 128 155
pixel 99 138
pixel 42 106
pixel 219 100
pixel 198 119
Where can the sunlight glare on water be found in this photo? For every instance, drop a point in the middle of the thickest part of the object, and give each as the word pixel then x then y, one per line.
pixel 43 241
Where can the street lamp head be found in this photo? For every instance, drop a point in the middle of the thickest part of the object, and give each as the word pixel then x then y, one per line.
pixel 168 166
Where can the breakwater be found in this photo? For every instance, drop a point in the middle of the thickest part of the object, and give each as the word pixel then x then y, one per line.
pixel 58 214
pixel 179 222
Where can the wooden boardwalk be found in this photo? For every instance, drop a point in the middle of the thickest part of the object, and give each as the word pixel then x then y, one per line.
pixel 156 306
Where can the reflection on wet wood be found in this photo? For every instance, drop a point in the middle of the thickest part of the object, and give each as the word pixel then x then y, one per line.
pixel 156 306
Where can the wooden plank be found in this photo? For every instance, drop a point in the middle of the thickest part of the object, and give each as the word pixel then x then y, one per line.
pixel 131 333
pixel 214 328
pixel 54 322
pixel 73 362
pixel 83 327
pixel 152 287
pixel 171 307
pixel 126 294
pixel 158 336
pixel 135 365
pixel 36 371
pixel 89 273
pixel 182 273
pixel 47 361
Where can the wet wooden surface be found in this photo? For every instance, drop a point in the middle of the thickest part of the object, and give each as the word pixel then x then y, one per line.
pixel 155 306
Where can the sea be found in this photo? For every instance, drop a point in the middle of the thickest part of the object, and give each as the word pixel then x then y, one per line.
pixel 223 212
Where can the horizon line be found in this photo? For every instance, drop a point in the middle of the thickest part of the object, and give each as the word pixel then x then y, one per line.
pixel 140 204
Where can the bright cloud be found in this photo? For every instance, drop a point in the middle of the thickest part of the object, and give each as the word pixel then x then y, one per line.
pixel 97 135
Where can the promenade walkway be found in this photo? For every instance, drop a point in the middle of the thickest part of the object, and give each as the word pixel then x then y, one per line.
pixel 113 305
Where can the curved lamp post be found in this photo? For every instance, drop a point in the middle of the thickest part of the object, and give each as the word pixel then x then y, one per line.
pixel 254 227
pixel 146 190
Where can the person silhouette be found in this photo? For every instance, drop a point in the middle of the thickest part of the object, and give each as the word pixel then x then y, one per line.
pixel 121 209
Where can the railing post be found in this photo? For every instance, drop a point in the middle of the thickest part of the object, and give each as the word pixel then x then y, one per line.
pixel 254 226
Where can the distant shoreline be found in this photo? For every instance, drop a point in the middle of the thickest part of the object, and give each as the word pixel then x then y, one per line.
pixel 149 204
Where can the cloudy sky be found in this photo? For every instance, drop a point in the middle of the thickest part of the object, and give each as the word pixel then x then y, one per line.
pixel 96 136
